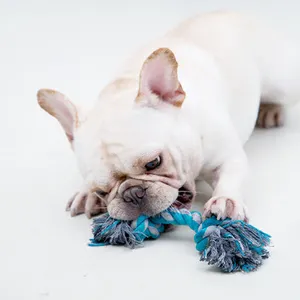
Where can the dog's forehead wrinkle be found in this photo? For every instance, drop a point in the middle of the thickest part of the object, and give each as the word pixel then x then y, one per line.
pixel 135 132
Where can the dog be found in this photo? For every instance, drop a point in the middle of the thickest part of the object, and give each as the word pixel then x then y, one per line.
pixel 181 109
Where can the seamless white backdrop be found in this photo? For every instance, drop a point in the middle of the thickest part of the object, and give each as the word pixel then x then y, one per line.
pixel 75 47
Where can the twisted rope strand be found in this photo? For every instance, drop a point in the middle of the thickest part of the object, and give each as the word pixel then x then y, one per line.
pixel 231 245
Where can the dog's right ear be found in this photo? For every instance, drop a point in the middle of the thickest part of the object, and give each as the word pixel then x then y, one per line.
pixel 60 107
pixel 159 80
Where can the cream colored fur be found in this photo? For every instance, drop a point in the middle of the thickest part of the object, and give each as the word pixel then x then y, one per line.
pixel 191 97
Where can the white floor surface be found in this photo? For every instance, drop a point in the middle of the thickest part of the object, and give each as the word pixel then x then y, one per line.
pixel 75 46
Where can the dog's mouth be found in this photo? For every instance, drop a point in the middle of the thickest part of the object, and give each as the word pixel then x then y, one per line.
pixel 184 199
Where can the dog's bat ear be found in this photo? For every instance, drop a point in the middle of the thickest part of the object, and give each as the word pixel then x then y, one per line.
pixel 159 80
pixel 60 107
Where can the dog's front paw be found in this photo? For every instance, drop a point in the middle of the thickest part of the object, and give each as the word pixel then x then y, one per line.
pixel 85 202
pixel 223 207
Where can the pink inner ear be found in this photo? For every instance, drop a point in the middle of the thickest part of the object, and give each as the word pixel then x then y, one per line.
pixel 159 76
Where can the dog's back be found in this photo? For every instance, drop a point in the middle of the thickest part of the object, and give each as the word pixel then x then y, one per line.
pixel 234 38
pixel 256 62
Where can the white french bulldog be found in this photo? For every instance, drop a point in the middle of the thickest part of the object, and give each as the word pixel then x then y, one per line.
pixel 183 107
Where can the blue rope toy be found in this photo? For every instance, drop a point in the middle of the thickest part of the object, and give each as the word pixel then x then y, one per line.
pixel 231 245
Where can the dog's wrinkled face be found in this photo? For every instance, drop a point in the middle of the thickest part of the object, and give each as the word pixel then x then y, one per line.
pixel 135 167
pixel 137 160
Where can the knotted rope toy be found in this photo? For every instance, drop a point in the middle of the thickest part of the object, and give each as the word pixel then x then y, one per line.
pixel 231 245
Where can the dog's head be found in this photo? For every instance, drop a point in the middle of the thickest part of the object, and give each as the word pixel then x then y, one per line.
pixel 138 158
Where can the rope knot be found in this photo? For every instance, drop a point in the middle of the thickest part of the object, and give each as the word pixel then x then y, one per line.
pixel 231 245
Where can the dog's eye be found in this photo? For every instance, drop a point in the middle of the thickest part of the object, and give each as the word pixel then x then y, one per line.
pixel 100 193
pixel 153 164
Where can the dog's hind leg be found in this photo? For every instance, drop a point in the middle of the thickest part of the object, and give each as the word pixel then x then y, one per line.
pixel 270 115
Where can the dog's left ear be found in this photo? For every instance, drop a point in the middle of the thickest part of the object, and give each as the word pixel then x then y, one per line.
pixel 60 107
pixel 159 80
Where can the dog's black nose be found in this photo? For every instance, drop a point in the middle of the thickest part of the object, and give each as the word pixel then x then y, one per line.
pixel 134 194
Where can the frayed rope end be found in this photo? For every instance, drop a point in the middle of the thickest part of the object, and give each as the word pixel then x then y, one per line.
pixel 109 231
pixel 232 245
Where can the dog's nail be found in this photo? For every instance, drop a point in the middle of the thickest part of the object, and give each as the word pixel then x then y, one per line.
pixel 73 213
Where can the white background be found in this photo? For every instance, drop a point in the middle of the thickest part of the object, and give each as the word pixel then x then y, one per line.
pixel 75 47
